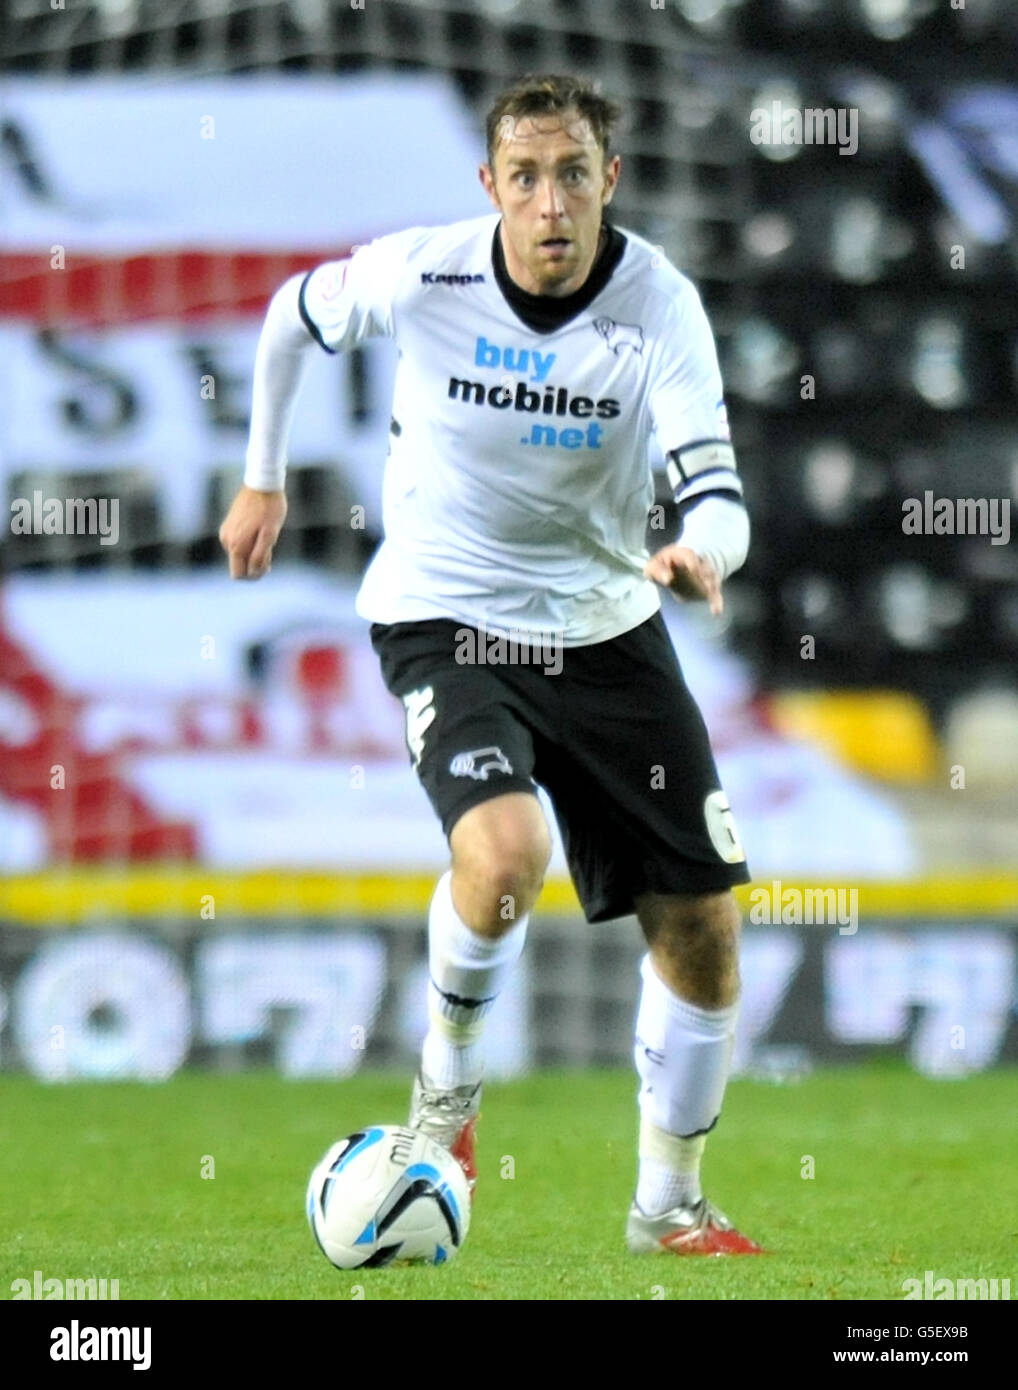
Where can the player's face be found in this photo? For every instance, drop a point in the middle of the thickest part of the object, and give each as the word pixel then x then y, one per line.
pixel 550 182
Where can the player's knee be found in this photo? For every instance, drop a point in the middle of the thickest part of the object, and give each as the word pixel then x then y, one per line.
pixel 694 944
pixel 682 916
pixel 500 855
pixel 506 878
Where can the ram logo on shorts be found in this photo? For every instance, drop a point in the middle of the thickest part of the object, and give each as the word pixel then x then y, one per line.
pixel 479 762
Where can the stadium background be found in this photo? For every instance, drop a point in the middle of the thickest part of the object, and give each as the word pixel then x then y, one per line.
pixel 212 849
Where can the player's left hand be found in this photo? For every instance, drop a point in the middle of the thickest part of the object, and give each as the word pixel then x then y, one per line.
pixel 687 574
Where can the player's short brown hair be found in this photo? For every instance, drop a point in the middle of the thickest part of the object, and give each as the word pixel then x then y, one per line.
pixel 547 94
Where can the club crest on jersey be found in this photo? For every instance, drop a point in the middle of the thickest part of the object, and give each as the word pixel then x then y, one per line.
pixel 620 335
pixel 479 762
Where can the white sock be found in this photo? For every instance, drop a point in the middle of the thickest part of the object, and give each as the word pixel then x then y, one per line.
pixel 467 972
pixel 683 1055
pixel 669 1174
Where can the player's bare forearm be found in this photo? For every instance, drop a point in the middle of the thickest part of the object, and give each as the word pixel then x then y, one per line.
pixel 687 574
pixel 250 531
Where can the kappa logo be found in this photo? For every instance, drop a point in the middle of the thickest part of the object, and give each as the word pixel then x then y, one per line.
pixel 479 762
pixel 428 277
pixel 620 335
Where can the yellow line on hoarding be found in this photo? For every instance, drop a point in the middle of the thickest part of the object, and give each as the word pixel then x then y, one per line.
pixel 93 896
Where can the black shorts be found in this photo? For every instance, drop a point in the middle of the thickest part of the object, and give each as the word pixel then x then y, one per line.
pixel 609 730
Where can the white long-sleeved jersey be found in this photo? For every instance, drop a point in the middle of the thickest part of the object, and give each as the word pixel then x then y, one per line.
pixel 517 489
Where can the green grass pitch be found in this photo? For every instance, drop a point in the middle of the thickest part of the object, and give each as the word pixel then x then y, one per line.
pixel 909 1175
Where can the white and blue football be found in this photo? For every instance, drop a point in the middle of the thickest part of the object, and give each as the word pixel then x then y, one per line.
pixel 388 1195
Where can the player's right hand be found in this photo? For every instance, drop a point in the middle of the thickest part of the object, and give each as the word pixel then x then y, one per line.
pixel 687 574
pixel 250 531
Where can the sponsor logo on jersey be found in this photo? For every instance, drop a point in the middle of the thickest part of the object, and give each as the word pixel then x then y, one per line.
pixel 555 400
pixel 521 396
pixel 478 762
pixel 429 277
pixel 619 335
pixel 513 359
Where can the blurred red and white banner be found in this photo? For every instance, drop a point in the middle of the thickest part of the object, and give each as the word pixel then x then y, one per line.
pixel 145 227
pixel 247 725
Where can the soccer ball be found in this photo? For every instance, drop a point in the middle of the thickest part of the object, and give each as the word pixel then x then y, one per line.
pixel 388 1195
